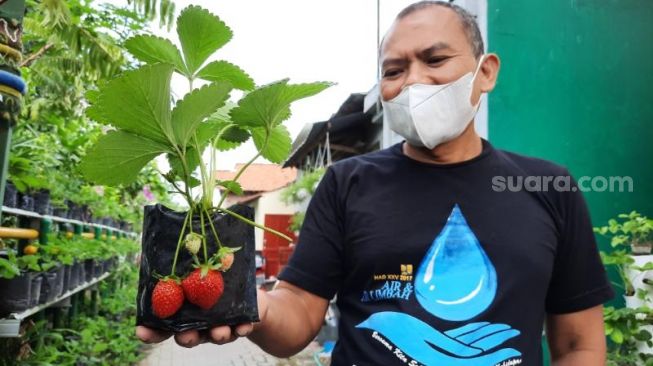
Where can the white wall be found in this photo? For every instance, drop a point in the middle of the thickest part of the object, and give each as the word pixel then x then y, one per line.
pixel 270 203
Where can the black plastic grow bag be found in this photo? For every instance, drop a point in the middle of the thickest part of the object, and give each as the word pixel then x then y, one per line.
pixel 237 305
pixel 15 293
pixel 10 196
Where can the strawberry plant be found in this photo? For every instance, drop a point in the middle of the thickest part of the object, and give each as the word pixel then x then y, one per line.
pixel 206 249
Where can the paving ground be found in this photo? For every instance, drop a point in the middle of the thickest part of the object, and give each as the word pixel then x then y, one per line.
pixel 239 353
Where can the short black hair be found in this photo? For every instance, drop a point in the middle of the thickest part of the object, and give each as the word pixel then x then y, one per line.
pixel 466 18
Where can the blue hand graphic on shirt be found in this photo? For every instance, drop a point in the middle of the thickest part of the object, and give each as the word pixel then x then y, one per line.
pixel 456 281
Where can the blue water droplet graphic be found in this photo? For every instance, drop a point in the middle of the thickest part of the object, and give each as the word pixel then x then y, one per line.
pixel 456 280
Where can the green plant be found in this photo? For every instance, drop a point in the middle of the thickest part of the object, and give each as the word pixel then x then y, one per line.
pixel 8 268
pixel 625 328
pixel 300 191
pixel 303 188
pixel 137 105
pixel 102 340
pixel 13 264
pixel 634 229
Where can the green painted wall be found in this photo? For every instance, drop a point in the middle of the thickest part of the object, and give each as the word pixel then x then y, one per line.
pixel 576 87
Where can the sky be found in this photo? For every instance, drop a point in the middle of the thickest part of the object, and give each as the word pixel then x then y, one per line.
pixel 306 41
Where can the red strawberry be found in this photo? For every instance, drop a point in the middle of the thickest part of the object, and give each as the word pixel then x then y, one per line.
pixel 203 290
pixel 167 298
pixel 227 261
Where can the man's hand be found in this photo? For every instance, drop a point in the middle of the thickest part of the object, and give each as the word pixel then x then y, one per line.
pixel 290 318
pixel 217 335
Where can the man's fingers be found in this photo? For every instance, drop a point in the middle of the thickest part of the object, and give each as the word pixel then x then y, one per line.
pixel 148 335
pixel 243 330
pixel 188 339
pixel 222 335
pixel 192 338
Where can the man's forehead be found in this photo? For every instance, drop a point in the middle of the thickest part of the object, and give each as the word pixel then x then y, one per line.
pixel 434 25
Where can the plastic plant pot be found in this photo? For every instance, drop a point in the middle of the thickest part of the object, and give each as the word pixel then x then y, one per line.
pixel 10 196
pixel 161 229
pixel 15 293
pixel 35 291
pixel 41 201
pixel 25 202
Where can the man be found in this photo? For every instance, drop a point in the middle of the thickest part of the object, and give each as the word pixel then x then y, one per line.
pixel 432 264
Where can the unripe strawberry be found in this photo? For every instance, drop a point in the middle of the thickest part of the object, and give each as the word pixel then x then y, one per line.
pixel 193 242
pixel 227 261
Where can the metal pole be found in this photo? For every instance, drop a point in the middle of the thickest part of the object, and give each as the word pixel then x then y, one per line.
pixel 5 144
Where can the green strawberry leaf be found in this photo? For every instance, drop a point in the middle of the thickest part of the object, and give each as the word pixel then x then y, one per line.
pixel 92 95
pixel 216 124
pixel 94 113
pixel 269 105
pixel 201 34
pixel 225 71
pixel 138 101
pixel 226 250
pixel 192 162
pixel 151 49
pixel 232 186
pixel 195 107
pixel 118 157
pixel 278 146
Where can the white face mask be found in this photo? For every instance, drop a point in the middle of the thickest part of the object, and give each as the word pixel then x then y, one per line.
pixel 429 115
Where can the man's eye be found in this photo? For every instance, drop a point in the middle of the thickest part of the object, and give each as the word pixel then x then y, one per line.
pixel 390 73
pixel 435 60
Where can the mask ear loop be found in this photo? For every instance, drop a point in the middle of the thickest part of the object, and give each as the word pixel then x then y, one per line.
pixel 478 67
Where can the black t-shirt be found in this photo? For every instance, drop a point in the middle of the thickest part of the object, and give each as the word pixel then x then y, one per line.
pixel 437 265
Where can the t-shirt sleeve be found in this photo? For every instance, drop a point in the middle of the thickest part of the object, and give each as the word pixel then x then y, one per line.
pixel 579 280
pixel 316 265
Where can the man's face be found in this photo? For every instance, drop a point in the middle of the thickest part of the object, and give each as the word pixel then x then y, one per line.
pixel 428 46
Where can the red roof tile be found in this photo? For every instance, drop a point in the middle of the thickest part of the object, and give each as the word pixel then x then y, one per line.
pixel 260 177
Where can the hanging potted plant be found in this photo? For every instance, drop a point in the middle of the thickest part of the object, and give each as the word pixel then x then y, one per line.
pixel 630 238
pixel 20 280
pixel 197 267
pixel 634 230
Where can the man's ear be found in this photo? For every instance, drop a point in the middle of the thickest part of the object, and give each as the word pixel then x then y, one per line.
pixel 489 72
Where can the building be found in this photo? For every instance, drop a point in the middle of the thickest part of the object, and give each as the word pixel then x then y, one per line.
pixel 262 185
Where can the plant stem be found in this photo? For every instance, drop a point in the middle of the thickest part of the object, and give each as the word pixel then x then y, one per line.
pixel 190 212
pixel 215 233
pixel 242 170
pixel 177 188
pixel 246 220
pixel 181 236
pixel 205 184
pixel 206 256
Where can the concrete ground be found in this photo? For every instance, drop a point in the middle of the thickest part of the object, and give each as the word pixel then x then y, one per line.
pixel 239 353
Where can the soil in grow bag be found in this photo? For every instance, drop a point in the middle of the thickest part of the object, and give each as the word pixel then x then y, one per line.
pixel 15 294
pixel 161 228
pixel 10 196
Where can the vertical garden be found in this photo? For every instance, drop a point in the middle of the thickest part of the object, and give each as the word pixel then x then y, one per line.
pixel 68 247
